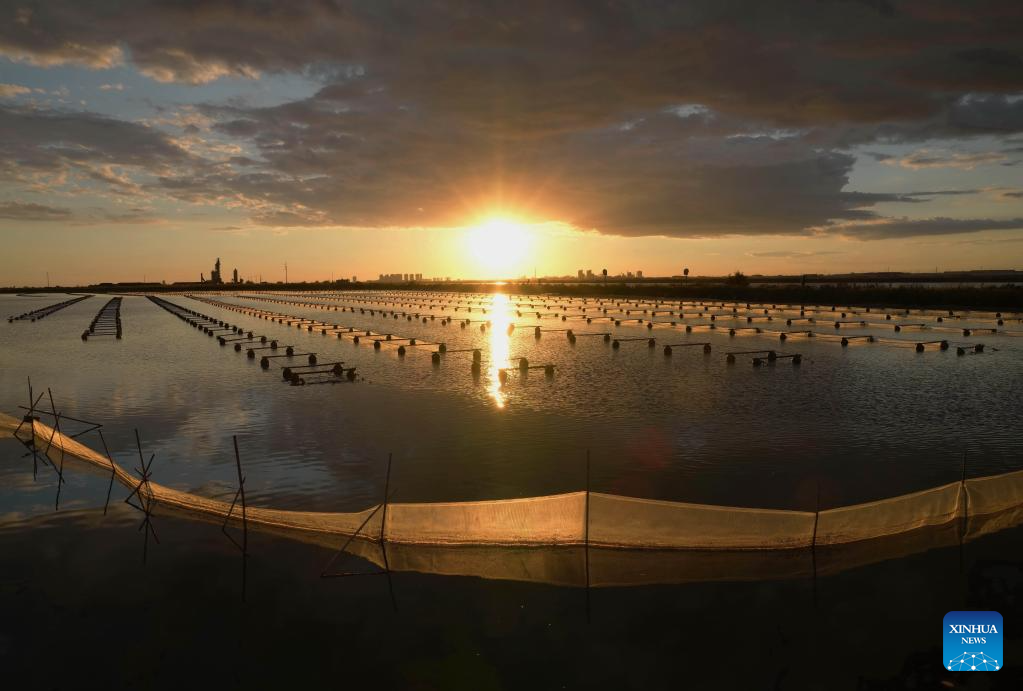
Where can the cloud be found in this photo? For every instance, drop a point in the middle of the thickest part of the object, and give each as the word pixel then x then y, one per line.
pixel 793 254
pixel 21 211
pixel 894 228
pixel 662 118
pixel 967 161
pixel 12 90
pixel 112 87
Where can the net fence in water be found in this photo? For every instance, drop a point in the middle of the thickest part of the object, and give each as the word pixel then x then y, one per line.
pixel 974 507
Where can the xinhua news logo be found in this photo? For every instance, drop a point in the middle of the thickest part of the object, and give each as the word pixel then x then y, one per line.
pixel 972 642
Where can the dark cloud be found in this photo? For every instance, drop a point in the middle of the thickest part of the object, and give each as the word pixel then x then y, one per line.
pixel 889 229
pixel 21 211
pixel 29 211
pixel 33 140
pixel 684 119
pixel 792 254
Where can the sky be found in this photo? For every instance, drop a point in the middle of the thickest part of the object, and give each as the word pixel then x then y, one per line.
pixel 140 140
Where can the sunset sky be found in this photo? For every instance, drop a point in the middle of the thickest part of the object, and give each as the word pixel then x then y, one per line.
pixel 494 139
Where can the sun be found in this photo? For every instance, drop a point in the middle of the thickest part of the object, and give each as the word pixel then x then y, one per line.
pixel 499 246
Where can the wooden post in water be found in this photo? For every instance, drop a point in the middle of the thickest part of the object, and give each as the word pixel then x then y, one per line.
pixel 113 471
pixel 586 535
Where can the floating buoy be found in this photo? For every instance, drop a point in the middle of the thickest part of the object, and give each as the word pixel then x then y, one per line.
pixel 477 356
pixel 667 350
pixel 845 341
pixel 607 337
pixel 757 362
pixel 919 347
pixel 376 345
pixel 435 358
pixel 351 374
pixel 706 347
pixel 401 351
pixel 966 332
pixel 615 344
pixel 442 348
pixel 237 347
pixel 85 335
pixel 960 350
pixel 651 343
pixel 689 328
pixel 898 328
pixel 523 363
pixel 355 339
pixel 796 359
pixel 264 362
pixel 548 370
pixel 273 345
pixel 251 353
pixel 782 337
pixel 944 345
pixel 312 358
pixel 979 348
pixel 730 359
pixel 286 373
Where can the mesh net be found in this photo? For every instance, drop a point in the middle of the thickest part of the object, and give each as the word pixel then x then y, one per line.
pixel 912 521
pixel 892 516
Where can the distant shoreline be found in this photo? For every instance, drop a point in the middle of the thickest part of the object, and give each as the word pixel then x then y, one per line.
pixel 1008 297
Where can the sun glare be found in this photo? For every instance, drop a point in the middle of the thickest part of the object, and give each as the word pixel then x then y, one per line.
pixel 498 247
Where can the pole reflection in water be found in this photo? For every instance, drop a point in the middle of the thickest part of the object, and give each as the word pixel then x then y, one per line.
pixel 500 317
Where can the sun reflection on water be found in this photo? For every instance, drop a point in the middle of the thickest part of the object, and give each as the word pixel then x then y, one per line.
pixel 500 316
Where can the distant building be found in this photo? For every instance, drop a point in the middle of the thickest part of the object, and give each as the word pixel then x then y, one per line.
pixel 589 273
pixel 419 277
pixel 214 275
pixel 235 279
pixel 639 274
pixel 582 274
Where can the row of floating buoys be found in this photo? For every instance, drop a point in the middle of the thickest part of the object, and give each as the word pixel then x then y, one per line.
pixel 216 327
pixel 42 312
pixel 764 314
pixel 107 321
pixel 483 299
pixel 312 324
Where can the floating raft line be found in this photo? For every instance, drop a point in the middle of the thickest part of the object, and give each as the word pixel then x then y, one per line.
pixel 199 320
pixel 705 346
pixel 784 335
pixel 796 358
pixel 43 312
pixel 107 321
pixel 339 330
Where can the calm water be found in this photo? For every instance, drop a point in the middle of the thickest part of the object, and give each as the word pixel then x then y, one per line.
pixel 867 421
